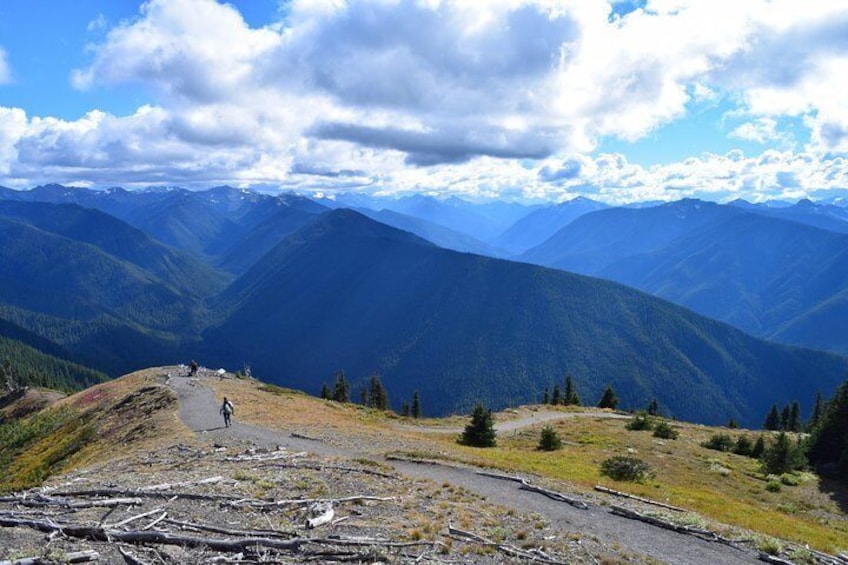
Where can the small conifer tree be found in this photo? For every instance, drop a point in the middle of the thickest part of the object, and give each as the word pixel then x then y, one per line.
pixel 556 398
pixel 782 457
pixel 815 418
pixel 773 419
pixel 480 431
pixel 785 415
pixel 416 405
pixel 378 397
pixel 549 440
pixel 571 397
pixel 325 392
pixel 341 389
pixel 609 399
pixel 795 418
pixel 759 448
pixel 404 409
pixel 546 396
pixel 653 407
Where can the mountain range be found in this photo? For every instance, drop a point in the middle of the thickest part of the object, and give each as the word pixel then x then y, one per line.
pixel 299 291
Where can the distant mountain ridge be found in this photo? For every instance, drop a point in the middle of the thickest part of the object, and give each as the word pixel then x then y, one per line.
pixel 352 294
pixel 758 271
pixel 313 291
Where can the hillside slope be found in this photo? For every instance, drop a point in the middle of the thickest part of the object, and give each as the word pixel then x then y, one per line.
pixel 348 293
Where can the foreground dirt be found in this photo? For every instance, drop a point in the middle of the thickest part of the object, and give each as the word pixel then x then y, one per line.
pixel 245 494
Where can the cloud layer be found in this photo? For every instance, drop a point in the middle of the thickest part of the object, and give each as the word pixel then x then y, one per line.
pixel 508 97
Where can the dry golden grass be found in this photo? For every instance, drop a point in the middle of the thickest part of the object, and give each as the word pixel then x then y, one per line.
pixel 722 487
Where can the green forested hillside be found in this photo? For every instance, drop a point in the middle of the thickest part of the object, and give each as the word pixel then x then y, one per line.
pixel 28 366
pixel 349 293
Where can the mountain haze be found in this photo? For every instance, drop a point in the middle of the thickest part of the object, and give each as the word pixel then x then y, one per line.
pixel 347 293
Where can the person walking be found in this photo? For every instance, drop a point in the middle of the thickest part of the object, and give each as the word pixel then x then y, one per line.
pixel 227 409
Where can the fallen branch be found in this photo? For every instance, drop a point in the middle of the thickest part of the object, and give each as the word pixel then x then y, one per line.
pixel 156 521
pixel 506 548
pixel 659 522
pixel 147 494
pixel 319 467
pixel 169 486
pixel 501 476
pixel 554 495
pixel 273 456
pixel 606 490
pixel 323 514
pixel 259 504
pixel 130 558
pixel 235 533
pixel 41 500
pixel 74 557
pixel 131 519
pixel 773 559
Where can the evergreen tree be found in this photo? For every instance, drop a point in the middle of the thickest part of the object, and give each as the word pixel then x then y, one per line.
pixel 363 396
pixel 480 431
pixel 325 392
pixel 785 415
pixel 557 396
pixel 828 442
pixel 571 397
pixel 379 399
pixel 732 424
pixel 404 409
pixel 759 448
pixel 546 397
pixel 609 399
pixel 817 412
pixel 549 440
pixel 795 417
pixel 782 457
pixel 341 390
pixel 773 419
pixel 416 405
pixel 653 408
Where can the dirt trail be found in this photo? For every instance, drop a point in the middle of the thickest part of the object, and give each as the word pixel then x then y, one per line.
pixel 199 411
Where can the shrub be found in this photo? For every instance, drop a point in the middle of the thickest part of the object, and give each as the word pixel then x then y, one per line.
pixel 480 431
pixel 549 440
pixel 743 446
pixel 719 442
pixel 640 422
pixel 773 486
pixel 624 468
pixel 782 457
pixel 790 480
pixel 665 431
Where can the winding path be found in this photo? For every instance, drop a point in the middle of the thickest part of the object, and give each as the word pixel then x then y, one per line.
pixel 199 411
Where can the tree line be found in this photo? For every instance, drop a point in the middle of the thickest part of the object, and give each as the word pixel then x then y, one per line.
pixel 373 395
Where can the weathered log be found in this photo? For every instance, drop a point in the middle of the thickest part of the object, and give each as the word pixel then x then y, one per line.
pixel 156 521
pixel 323 513
pixel 659 522
pixel 259 504
pixel 169 486
pixel 235 533
pixel 320 467
pixel 132 559
pixel 42 500
pixel 554 495
pixel 147 494
pixel 506 548
pixel 763 556
pixel 606 490
pixel 73 557
pixel 501 476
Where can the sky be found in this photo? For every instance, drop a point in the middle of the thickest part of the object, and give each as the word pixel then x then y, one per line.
pixel 527 100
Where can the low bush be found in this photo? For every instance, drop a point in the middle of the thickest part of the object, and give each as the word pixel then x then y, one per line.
pixel 665 431
pixel 719 442
pixel 744 446
pixel 773 486
pixel 624 468
pixel 640 422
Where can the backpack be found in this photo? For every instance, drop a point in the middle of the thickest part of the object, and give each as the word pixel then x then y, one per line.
pixel 228 407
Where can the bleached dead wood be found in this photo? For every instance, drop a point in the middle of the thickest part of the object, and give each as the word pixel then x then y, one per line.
pixel 41 500
pixel 235 533
pixel 131 558
pixel 323 513
pixel 131 519
pixel 554 495
pixel 606 490
pixel 73 557
pixel 148 494
pixel 156 521
pixel 659 522
pixel 319 467
pixel 505 548
pixel 499 476
pixel 169 486
pixel 773 559
pixel 273 456
pixel 259 504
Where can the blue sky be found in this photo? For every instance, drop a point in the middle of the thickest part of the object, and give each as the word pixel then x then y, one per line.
pixel 517 99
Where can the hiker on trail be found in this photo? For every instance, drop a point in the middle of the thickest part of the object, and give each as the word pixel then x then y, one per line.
pixel 227 410
pixel 192 368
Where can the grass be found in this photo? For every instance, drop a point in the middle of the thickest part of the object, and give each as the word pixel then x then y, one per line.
pixel 722 487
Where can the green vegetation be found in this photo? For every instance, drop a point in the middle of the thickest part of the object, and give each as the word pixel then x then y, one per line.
pixel 828 442
pixel 609 399
pixel 782 456
pixel 663 430
pixel 480 431
pixel 719 442
pixel 640 422
pixel 549 439
pixel 625 468
pixel 22 365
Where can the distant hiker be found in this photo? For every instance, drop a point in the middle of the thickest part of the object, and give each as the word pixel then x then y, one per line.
pixel 227 410
pixel 192 368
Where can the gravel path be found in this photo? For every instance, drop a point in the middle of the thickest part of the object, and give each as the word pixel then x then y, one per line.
pixel 199 411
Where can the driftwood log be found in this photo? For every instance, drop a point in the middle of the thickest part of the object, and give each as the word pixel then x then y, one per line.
pixel 511 550
pixel 74 557
pixel 606 490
